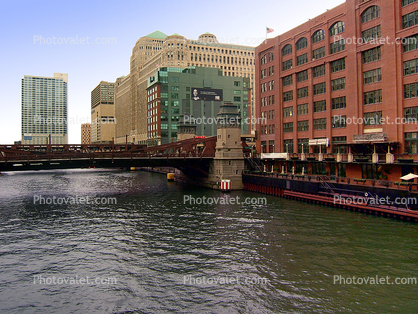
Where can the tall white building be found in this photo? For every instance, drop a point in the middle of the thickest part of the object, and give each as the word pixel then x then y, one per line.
pixel 44 109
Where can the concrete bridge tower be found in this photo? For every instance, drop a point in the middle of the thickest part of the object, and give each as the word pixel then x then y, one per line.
pixel 228 163
pixel 186 128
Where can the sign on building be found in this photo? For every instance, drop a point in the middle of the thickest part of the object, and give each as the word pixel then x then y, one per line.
pixel 372 137
pixel 206 94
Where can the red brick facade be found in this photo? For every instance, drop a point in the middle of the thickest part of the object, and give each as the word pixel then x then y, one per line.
pixel 365 86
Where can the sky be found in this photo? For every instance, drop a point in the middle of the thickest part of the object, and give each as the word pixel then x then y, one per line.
pixel 28 29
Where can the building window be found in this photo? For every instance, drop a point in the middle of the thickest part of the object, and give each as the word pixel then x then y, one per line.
pixel 319 88
pixel 337 28
pixel 338 84
pixel 410 19
pixel 287 50
pixel 288 80
pixel 338 65
pixel 287 64
pixel 320 124
pixel 237 83
pixel 287 112
pixel 337 46
pixel 339 103
pixel 237 98
pixel 301 43
pixel 371 55
pixel 318 36
pixel 303 142
pixel 410 43
pixel 411 114
pixel 342 149
pixel 302 59
pixel 371 33
pixel 410 90
pixel 410 67
pixel 373 118
pixel 372 76
pixel 406 2
pixel 320 106
pixel 288 96
pixel 318 71
pixel 303 126
pixel 370 13
pixel 339 122
pixel 302 76
pixel 411 143
pixel 373 97
pixel 288 146
pixel 302 92
pixel 288 127
pixel 318 53
pixel 303 109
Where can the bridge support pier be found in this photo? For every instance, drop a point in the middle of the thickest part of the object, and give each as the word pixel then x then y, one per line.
pixel 228 163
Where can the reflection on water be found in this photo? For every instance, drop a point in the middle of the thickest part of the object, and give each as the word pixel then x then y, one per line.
pixel 167 256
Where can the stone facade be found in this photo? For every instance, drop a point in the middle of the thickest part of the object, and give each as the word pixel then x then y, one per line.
pixel 103 113
pixel 159 50
pixel 86 133
pixel 228 163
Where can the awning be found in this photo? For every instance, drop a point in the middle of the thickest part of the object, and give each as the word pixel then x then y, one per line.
pixel 274 155
pixel 409 177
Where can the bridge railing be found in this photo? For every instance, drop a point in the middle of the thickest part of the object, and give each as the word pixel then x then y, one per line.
pixel 184 149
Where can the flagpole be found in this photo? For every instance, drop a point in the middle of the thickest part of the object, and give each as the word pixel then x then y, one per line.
pixel 266 36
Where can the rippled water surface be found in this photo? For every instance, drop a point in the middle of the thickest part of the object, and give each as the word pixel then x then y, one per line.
pixel 165 256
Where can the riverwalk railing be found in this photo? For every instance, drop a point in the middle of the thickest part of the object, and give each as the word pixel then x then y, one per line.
pixel 399 185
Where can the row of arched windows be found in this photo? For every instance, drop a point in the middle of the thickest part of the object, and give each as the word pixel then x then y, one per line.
pixel 369 14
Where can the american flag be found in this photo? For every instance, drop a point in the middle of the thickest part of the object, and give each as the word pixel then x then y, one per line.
pixel 269 30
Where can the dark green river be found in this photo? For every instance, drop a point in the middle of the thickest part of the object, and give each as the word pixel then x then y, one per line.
pixel 94 241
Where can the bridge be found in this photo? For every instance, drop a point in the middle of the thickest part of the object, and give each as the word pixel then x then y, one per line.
pixel 206 161
pixel 191 156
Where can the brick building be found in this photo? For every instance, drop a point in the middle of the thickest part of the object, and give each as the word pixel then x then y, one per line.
pixel 341 89
pixel 86 133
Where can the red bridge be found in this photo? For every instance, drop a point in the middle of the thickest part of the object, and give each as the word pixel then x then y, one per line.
pixel 191 156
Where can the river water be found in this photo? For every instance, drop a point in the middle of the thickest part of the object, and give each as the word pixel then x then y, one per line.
pixel 152 252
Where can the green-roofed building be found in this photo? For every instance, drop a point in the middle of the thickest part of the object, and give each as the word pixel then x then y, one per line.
pixel 157 35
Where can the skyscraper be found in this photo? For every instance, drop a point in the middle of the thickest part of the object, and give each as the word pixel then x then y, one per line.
pixel 44 109
pixel 103 113
pixel 86 133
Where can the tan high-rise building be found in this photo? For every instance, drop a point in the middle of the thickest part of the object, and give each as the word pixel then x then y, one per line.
pixel 86 133
pixel 158 50
pixel 103 113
